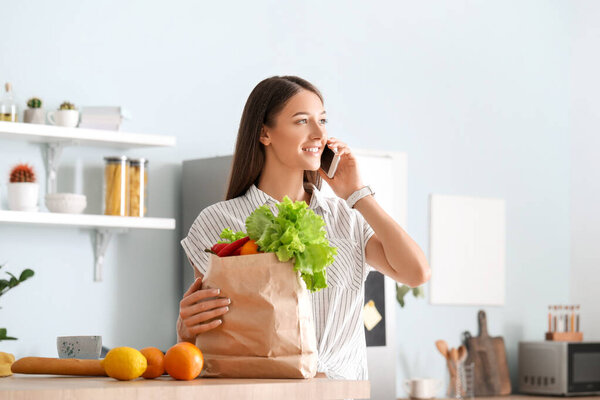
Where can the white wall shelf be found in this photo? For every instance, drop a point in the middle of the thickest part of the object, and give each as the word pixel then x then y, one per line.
pixel 54 139
pixel 37 133
pixel 86 220
pixel 105 226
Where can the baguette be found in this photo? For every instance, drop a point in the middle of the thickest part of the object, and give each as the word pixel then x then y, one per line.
pixel 58 366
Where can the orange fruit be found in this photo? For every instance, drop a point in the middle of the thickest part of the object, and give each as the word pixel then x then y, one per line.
pixel 184 361
pixel 156 362
pixel 250 247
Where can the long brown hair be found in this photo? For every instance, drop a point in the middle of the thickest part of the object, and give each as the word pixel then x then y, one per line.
pixel 264 103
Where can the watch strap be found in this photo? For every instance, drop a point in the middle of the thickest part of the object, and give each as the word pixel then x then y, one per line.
pixel 359 194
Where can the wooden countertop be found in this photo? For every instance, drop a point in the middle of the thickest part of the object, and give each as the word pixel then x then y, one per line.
pixel 528 397
pixel 51 387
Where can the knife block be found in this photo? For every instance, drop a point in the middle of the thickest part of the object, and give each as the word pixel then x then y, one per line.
pixel 565 336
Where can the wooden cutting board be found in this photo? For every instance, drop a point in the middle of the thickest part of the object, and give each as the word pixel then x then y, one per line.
pixel 489 357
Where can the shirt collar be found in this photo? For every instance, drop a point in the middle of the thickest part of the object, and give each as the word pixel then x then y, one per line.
pixel 317 200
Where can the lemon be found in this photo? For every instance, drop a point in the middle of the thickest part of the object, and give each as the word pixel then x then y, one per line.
pixel 6 360
pixel 124 363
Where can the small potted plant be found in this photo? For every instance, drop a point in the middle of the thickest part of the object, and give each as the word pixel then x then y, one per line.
pixel 23 190
pixel 34 114
pixel 7 359
pixel 66 115
pixel 8 284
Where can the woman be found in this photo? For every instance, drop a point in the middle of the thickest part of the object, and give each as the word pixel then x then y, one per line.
pixel 280 140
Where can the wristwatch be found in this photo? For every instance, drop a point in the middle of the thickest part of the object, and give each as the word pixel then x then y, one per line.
pixel 359 194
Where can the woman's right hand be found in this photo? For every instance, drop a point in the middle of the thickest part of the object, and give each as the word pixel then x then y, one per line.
pixel 199 308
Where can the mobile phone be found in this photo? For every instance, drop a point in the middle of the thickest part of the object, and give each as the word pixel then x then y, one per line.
pixel 329 162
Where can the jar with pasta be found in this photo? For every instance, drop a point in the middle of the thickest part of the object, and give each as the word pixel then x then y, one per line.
pixel 138 187
pixel 116 186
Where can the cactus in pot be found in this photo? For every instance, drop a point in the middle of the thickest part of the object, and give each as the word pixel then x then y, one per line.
pixel 34 102
pixel 23 190
pixel 34 114
pixel 66 115
pixel 22 173
pixel 67 106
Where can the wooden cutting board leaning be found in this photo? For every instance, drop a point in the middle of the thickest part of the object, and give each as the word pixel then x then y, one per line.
pixel 488 355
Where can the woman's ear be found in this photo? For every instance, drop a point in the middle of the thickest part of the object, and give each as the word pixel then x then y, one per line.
pixel 265 137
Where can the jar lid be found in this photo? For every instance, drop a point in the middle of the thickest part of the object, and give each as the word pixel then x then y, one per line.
pixel 115 158
pixel 138 161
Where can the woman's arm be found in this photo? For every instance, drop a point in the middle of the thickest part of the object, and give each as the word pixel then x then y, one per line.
pixel 391 250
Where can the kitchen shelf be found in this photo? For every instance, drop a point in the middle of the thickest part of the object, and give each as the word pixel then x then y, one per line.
pixel 38 133
pixel 54 139
pixel 86 220
pixel 105 227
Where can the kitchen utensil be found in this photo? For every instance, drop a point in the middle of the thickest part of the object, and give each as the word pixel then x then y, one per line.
pixel 442 346
pixel 489 357
pixel 462 353
pixel 454 355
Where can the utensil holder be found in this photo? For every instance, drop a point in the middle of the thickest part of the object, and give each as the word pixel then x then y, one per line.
pixel 462 380
pixel 565 336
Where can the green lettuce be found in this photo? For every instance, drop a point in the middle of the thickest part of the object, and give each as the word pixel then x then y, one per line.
pixel 230 236
pixel 295 233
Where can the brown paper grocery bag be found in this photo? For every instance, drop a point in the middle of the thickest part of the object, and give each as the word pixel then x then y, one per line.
pixel 268 331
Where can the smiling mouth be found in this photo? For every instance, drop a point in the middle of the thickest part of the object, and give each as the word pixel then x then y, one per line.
pixel 311 149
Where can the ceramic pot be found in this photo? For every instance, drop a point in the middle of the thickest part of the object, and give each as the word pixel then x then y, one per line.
pixel 69 118
pixel 86 347
pixel 23 196
pixel 34 116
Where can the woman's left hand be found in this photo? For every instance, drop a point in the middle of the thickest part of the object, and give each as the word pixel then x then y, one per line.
pixel 347 177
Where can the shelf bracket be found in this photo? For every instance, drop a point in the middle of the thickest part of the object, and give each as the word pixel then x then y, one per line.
pixel 103 237
pixel 52 159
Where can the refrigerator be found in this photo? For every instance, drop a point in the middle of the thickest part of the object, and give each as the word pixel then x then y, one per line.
pixel 204 182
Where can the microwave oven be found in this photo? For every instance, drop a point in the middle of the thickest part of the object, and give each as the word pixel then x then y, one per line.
pixel 559 368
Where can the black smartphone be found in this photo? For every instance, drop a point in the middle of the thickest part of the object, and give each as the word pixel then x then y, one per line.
pixel 329 161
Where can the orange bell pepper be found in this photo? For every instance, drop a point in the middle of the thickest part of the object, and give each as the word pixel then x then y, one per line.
pixel 250 247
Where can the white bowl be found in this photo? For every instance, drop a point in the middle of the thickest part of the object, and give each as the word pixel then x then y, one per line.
pixel 68 203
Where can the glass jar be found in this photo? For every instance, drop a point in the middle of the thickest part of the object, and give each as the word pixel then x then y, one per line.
pixel 116 186
pixel 462 381
pixel 138 187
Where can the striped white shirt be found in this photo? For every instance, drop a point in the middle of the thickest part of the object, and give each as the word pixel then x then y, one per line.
pixel 337 309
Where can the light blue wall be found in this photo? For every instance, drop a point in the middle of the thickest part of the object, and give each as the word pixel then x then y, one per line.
pixel 585 166
pixel 475 92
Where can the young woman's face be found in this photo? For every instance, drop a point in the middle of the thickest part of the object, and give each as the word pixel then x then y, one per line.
pixel 298 136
